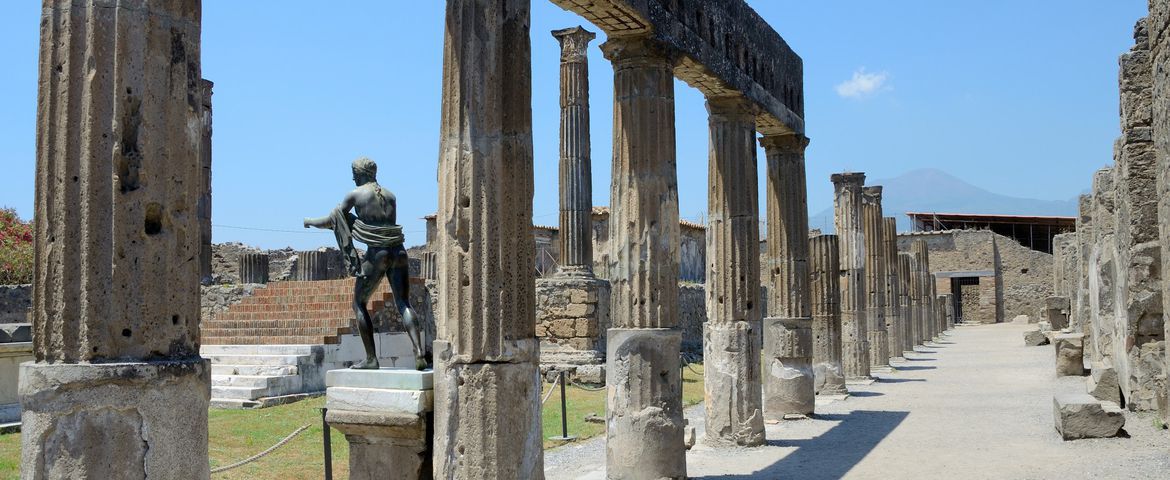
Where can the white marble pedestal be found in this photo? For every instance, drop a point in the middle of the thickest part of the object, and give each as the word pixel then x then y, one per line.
pixel 386 418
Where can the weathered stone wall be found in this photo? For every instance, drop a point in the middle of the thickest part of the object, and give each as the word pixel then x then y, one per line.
pixel 225 262
pixel 1159 40
pixel 15 301
pixel 573 313
pixel 1024 278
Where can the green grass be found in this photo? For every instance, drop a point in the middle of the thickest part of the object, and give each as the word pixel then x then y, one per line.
pixel 239 434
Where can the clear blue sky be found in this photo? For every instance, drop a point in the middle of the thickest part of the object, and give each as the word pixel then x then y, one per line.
pixel 1018 97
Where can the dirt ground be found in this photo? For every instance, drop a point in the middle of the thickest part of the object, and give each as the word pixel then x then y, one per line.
pixel 978 405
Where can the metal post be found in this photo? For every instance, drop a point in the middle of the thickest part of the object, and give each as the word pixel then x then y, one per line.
pixel 564 411
pixel 326 441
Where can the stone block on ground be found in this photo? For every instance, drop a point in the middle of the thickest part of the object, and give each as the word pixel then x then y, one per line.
pixel 828 379
pixel 1035 338
pixel 1079 415
pixel 1102 382
pixel 1069 348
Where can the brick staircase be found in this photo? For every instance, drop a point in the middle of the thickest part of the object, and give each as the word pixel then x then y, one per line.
pixel 275 346
pixel 291 313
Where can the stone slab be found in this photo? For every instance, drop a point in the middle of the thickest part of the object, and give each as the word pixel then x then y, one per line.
pixel 1079 415
pixel 385 378
pixel 379 400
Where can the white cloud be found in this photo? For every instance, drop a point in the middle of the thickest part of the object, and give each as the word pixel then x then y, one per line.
pixel 863 84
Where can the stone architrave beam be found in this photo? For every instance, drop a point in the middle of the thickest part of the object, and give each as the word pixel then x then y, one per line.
pixel 644 434
pixel 731 336
pixel 117 385
pixel 848 218
pixel 486 380
pixel 725 48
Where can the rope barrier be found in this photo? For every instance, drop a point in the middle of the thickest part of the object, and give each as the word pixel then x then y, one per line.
pixel 588 389
pixel 260 455
pixel 551 389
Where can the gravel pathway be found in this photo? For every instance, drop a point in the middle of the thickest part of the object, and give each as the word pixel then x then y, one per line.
pixel 978 405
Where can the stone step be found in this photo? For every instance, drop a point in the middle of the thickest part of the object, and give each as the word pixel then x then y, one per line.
pixel 207 350
pixel 269 360
pixel 293 315
pixel 277 323
pixel 238 393
pixel 254 369
pixel 273 332
pixel 283 384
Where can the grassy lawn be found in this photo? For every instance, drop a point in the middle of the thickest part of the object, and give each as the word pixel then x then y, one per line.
pixel 239 434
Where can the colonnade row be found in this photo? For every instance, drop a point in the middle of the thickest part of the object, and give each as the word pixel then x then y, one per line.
pixel 116 300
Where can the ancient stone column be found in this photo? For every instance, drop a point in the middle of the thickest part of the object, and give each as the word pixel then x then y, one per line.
pixel 117 385
pixel 905 301
pixel 312 265
pixel 204 205
pixel 949 310
pixel 917 289
pixel 576 173
pixel 644 433
pixel 875 276
pixel 848 220
pixel 731 335
pixel 890 264
pixel 788 378
pixel 925 318
pixel 824 285
pixel 1084 236
pixel 253 267
pixel 486 381
pixel 940 312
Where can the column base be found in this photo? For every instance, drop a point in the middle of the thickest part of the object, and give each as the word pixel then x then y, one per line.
pixel 644 434
pixel 115 420
pixel 788 372
pixel 828 379
pixel 487 417
pixel 731 383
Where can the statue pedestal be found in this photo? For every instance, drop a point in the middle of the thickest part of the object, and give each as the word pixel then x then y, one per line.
pixel 386 417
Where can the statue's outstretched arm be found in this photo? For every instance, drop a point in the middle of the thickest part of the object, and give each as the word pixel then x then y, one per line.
pixel 326 222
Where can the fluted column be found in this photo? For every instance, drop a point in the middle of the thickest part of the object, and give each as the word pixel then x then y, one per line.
pixel 253 268
pixel 644 434
pixel 788 379
pixel 576 172
pixel 312 265
pixel 486 382
pixel 204 204
pixel 922 333
pixel 825 288
pixel 117 385
pixel 875 276
pixel 851 243
pixel 906 300
pixel 893 309
pixel 731 335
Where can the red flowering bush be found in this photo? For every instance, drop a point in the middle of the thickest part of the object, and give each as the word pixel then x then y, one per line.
pixel 16 249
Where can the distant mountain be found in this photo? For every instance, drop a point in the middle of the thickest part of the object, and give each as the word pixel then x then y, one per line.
pixel 931 190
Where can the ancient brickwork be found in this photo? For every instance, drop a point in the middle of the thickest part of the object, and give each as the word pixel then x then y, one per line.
pixel 572 314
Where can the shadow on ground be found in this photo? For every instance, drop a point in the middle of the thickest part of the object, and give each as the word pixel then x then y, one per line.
pixel 832 454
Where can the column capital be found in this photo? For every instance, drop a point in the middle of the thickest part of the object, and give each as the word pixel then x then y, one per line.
pixel 787 142
pixel 638 48
pixel 574 42
pixel 856 179
pixel 872 193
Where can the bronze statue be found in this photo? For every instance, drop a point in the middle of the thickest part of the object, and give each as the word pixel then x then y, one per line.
pixel 376 226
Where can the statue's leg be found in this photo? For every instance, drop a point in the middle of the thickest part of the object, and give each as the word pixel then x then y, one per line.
pixel 399 277
pixel 363 287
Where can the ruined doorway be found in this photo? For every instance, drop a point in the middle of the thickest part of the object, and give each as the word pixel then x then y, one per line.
pixel 965 298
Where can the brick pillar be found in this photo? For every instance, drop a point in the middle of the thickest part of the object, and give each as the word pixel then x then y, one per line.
pixel 851 243
pixel 731 335
pixel 487 386
pixel 118 385
pixel 644 434
pixel 789 378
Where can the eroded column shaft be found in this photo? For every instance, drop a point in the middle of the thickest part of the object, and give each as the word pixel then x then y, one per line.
pixel 905 300
pixel 875 276
pixel 890 265
pixel 253 267
pixel 204 204
pixel 644 434
pixel 731 347
pixel 576 172
pixel 851 245
pixel 925 318
pixel 824 286
pixel 788 373
pixel 118 385
pixel 487 390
